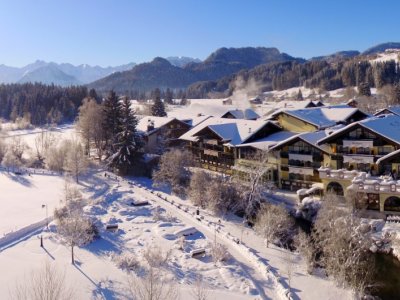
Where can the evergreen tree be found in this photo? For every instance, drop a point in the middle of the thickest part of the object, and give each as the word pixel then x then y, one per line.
pixel 112 121
pixel 364 89
pixel 169 95
pixel 184 100
pixel 129 142
pixel 299 95
pixel 158 109
pixel 395 93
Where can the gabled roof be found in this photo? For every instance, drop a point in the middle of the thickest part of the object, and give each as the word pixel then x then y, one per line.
pixel 271 140
pixel 247 114
pixel 310 138
pixel 322 117
pixel 388 156
pixel 233 131
pixel 157 122
pixel 393 109
pixel 387 126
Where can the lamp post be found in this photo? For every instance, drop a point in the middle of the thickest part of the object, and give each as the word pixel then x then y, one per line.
pixel 47 215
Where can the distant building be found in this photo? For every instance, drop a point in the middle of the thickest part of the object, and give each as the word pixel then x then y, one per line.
pixel 247 114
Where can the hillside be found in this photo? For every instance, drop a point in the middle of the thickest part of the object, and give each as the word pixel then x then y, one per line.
pixel 381 48
pixel 161 73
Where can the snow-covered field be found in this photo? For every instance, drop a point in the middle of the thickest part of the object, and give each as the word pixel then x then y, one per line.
pixel 29 135
pixel 22 197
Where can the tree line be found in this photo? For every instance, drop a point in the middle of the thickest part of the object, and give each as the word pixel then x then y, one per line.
pixel 41 104
pixel 316 74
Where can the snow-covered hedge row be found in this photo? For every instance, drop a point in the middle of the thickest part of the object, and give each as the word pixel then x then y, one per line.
pixel 15 236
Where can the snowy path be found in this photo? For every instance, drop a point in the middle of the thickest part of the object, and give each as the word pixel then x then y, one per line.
pixel 265 287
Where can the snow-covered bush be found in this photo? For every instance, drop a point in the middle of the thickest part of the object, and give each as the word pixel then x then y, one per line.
pixel 126 261
pixel 155 257
pixel 308 209
pixel 219 252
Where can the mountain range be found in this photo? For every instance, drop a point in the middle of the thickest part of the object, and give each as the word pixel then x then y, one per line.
pixel 59 74
pixel 162 74
pixel 171 72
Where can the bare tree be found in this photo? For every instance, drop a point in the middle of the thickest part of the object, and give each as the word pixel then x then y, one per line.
pixel 89 123
pixel 253 183
pixel 3 149
pixel 289 267
pixel 273 222
pixel 153 285
pixel 344 246
pixel 200 290
pixel 46 283
pixel 18 147
pixel 76 230
pixel 10 161
pixel 173 170
pixel 76 162
pixel 198 182
pixel 43 141
pixel 305 247
pixel 56 156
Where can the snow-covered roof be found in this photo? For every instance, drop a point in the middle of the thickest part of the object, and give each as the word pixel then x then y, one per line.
pixel 393 109
pixel 324 116
pixel 387 126
pixel 233 131
pixel 194 121
pixel 308 137
pixel 388 156
pixel 292 104
pixel 247 114
pixel 157 122
pixel 269 141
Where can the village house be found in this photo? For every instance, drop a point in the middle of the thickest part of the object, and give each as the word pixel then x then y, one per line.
pixel 247 114
pixel 395 110
pixel 299 160
pixel 215 141
pixel 316 118
pixel 365 159
pixel 160 133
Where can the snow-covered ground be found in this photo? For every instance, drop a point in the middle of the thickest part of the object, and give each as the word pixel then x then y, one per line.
pixel 96 276
pixel 389 54
pixel 22 197
pixel 29 135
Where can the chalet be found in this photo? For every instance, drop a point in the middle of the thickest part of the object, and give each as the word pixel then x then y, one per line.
pixel 395 110
pixel 160 132
pixel 299 158
pixel 249 153
pixel 215 141
pixel 247 114
pixel 365 158
pixel 317 118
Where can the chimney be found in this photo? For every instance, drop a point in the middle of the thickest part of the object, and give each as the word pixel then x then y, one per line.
pixel 249 129
pixel 150 125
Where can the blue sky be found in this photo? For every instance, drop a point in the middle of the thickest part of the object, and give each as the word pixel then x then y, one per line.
pixel 113 32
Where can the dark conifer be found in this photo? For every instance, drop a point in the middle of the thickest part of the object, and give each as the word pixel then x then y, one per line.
pixel 129 142
pixel 158 108
pixel 112 121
